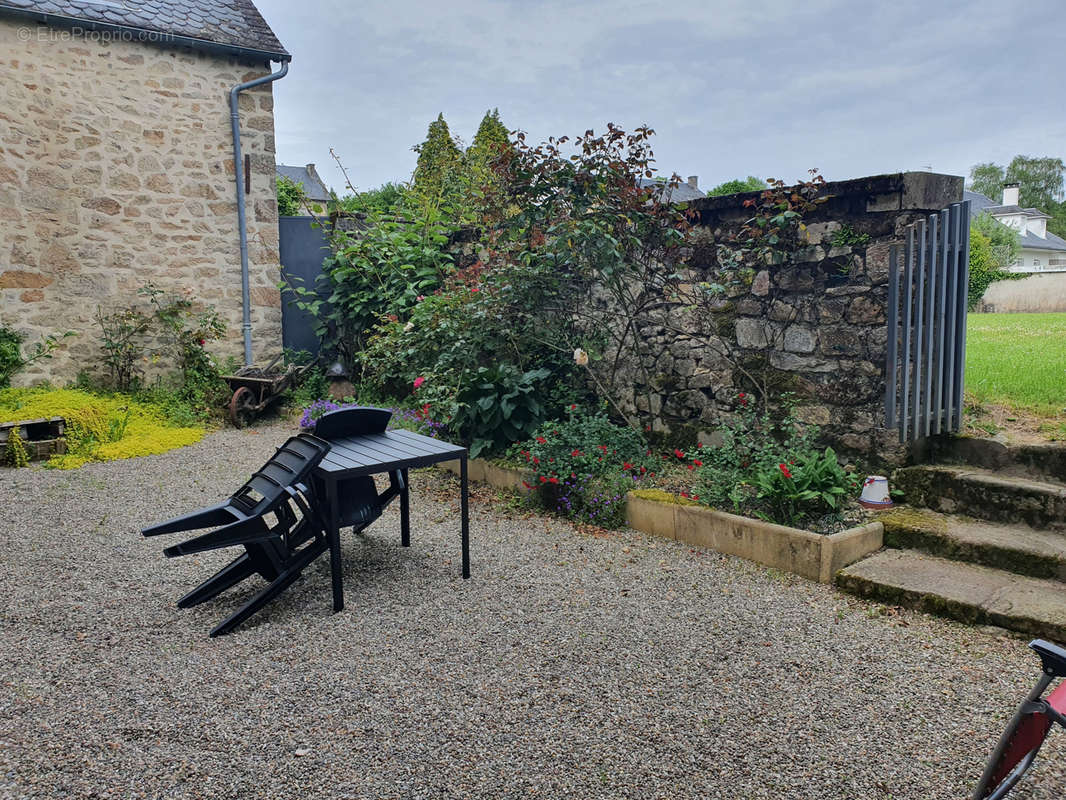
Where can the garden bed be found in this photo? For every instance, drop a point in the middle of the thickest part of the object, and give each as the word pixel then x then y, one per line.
pixel 815 556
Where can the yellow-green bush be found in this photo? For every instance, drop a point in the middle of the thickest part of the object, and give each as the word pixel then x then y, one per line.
pixel 99 427
pixel 16 451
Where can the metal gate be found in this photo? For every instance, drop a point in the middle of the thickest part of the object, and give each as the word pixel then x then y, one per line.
pixel 303 247
pixel 928 281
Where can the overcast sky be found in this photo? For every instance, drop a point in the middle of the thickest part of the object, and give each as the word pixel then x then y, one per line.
pixel 731 88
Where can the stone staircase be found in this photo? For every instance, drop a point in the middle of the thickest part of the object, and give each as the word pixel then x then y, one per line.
pixel 983 539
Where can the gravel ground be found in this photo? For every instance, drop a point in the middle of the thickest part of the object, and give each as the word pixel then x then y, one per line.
pixel 571 665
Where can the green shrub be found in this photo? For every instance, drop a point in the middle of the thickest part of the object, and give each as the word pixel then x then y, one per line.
pixel 584 465
pixel 810 484
pixel 769 468
pixel 985 267
pixel 16 450
pixel 291 197
pixel 499 406
pixel 10 354
pixel 11 357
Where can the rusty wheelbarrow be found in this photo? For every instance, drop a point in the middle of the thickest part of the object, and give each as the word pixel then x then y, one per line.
pixel 255 388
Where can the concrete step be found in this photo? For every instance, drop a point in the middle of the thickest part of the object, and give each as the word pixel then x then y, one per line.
pixel 1044 461
pixel 1011 548
pixel 966 592
pixel 984 494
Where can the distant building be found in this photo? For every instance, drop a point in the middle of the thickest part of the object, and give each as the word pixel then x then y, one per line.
pixel 684 192
pixel 314 187
pixel 1041 251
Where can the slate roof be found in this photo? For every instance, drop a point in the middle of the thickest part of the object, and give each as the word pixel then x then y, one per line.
pixel 313 186
pixel 979 203
pixel 227 25
pixel 681 194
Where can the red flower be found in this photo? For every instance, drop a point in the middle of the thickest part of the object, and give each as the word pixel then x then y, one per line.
pixel 575 453
pixel 784 470
pixel 536 460
pixel 643 469
pixel 553 480
pixel 691 467
pixel 202 342
pixel 527 485
pixel 602 447
pixel 573 406
pixel 541 440
pixel 678 453
pixel 543 479
pixel 647 427
pixel 419 381
pixel 698 463
pixel 627 466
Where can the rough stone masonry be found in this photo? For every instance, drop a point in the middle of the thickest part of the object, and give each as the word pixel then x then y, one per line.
pixel 116 168
pixel 814 326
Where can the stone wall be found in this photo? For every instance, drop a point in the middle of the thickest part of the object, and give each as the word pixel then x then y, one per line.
pixel 814 326
pixel 116 167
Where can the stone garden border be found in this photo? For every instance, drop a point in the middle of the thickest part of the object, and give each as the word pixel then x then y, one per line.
pixel 815 556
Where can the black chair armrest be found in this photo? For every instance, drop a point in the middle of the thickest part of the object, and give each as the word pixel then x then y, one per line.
pixel 1052 657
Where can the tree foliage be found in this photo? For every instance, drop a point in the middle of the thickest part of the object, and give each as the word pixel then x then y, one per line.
pixel 386 199
pixel 1005 241
pixel 748 184
pixel 490 143
pixel 291 197
pixel 985 267
pixel 987 179
pixel 438 175
pixel 1040 180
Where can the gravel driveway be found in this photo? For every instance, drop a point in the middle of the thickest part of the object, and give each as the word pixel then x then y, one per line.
pixel 571 665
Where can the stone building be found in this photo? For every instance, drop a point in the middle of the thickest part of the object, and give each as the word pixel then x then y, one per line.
pixel 117 166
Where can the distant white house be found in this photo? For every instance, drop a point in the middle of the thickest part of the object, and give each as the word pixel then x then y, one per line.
pixel 1041 251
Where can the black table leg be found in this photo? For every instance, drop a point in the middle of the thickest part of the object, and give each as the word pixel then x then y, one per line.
pixel 333 533
pixel 465 515
pixel 405 510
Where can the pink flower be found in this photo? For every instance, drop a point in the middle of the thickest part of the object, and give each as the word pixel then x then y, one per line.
pixel 419 381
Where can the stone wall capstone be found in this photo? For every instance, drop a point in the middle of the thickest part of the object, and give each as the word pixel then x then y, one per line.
pixel 116 168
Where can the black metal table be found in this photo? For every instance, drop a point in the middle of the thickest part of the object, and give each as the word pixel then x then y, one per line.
pixel 376 453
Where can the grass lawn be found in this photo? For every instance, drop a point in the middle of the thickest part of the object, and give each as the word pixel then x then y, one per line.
pixel 1018 360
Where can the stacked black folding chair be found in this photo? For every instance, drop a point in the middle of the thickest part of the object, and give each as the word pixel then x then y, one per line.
pixel 359 502
pixel 1030 725
pixel 273 516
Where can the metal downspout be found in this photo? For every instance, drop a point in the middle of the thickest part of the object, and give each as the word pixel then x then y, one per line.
pixel 242 222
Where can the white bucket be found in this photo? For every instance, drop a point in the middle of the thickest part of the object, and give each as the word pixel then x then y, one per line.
pixel 875 492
